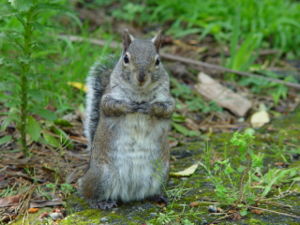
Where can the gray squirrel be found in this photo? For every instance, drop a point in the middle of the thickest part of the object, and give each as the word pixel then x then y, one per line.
pixel 128 118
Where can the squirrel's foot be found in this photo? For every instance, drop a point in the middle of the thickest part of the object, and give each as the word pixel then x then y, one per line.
pixel 104 205
pixel 160 199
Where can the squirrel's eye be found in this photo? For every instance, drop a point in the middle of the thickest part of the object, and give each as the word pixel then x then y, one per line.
pixel 126 59
pixel 157 61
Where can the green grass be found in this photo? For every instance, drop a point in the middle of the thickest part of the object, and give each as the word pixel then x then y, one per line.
pixel 244 26
pixel 241 180
pixel 36 66
pixel 277 21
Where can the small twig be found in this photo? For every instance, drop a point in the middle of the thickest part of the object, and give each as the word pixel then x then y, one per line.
pixel 283 194
pixel 167 56
pixel 3 169
pixel 272 211
pixel 268 52
pixel 224 69
pixel 25 176
pixel 266 201
pixel 25 201
pixel 74 38
pixel 206 202
pixel 220 218
pixel 84 156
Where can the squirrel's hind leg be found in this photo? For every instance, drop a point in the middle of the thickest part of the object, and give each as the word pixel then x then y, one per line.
pixel 90 187
pixel 161 199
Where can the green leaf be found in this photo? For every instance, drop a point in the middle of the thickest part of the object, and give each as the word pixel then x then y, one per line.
pixel 50 140
pixel 6 122
pixel 22 5
pixel 183 130
pixel 33 128
pixel 296 179
pixel 178 118
pixel 185 32
pixel 67 188
pixel 241 169
pixel 63 123
pixel 245 55
pixel 46 114
pixel 229 170
pixel 243 212
pixel 5 139
pixel 65 141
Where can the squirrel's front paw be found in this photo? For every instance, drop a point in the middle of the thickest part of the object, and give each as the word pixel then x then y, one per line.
pixel 158 108
pixel 142 107
pixel 162 109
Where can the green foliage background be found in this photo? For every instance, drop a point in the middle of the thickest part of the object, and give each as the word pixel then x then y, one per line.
pixel 244 26
pixel 36 64
pixel 276 20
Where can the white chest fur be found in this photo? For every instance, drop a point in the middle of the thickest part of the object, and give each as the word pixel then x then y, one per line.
pixel 136 159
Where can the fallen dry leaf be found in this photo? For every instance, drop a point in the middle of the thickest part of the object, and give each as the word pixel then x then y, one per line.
pixel 281 164
pixel 236 216
pixel 259 119
pixel 194 204
pixel 231 211
pixel 187 47
pixel 44 214
pixel 78 85
pixel 257 211
pixel 173 143
pixel 187 172
pixel 33 210
pixel 10 201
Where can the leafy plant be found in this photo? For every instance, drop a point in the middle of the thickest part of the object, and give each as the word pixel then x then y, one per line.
pixel 277 91
pixel 242 57
pixel 29 88
pixel 186 97
pixel 129 11
pixel 25 16
pixel 276 21
pixel 193 101
pixel 170 216
pixel 239 180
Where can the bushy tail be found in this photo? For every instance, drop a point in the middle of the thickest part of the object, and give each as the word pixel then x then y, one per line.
pixel 97 81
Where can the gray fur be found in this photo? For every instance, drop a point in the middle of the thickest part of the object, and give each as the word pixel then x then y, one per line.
pixel 130 155
pixel 97 81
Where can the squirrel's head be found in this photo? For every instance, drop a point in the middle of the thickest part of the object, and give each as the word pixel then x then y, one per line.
pixel 140 60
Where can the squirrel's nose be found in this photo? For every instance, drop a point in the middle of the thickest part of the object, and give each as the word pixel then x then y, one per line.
pixel 141 77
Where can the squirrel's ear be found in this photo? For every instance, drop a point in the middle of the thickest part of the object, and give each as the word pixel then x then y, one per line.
pixel 157 40
pixel 127 39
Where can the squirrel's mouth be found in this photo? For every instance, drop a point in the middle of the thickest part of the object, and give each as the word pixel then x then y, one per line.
pixel 141 83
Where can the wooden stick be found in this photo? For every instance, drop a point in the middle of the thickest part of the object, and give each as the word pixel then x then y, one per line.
pixel 167 56
pixel 272 211
pixel 224 69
